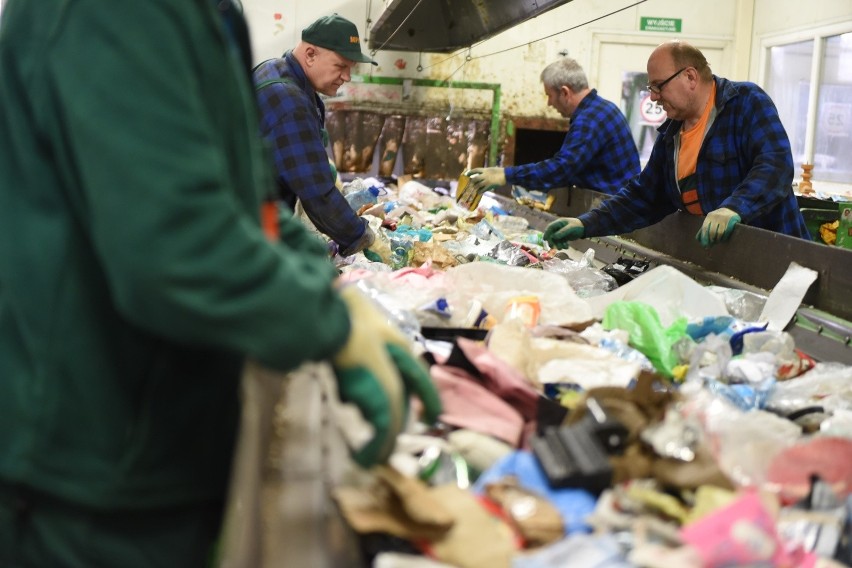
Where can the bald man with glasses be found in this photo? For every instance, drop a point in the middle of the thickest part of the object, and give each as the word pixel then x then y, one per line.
pixel 722 154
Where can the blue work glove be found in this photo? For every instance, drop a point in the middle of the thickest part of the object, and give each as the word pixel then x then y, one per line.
pixel 483 179
pixel 377 372
pixel 562 231
pixel 717 226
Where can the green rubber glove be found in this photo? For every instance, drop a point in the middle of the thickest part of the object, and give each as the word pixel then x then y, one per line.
pixel 377 372
pixel 717 227
pixel 562 231
pixel 483 179
pixel 335 175
pixel 372 256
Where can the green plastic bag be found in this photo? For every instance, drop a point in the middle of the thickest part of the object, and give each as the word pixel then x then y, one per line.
pixel 647 333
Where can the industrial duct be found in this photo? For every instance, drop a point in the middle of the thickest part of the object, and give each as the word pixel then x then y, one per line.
pixel 444 26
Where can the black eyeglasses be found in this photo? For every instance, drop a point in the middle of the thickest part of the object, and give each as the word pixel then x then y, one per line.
pixel 658 88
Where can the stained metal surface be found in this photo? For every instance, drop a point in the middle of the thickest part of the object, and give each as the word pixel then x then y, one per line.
pixel 443 26
pixel 430 147
pixel 482 148
pixel 753 259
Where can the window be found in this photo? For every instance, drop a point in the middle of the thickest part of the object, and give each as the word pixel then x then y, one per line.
pixel 789 86
pixel 811 84
pixel 833 137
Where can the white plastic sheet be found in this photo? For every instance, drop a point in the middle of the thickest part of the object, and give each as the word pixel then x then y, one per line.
pixel 672 293
pixel 494 285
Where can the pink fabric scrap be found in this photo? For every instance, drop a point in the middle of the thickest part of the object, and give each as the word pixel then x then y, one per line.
pixel 469 404
pixel 501 378
pixel 742 534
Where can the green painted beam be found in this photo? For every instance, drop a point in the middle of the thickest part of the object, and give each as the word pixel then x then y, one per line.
pixel 495 128
pixel 493 87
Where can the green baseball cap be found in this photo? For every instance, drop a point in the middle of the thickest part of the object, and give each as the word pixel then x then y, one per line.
pixel 337 34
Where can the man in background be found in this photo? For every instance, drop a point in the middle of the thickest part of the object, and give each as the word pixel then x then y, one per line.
pixel 722 154
pixel 293 125
pixel 597 153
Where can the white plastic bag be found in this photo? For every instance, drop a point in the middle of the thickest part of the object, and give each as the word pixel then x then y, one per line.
pixel 672 293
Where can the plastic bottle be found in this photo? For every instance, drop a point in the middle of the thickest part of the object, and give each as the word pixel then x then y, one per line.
pixel 402 251
pixel 511 223
pixel 362 197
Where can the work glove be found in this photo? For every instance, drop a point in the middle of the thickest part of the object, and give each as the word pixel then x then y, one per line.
pixel 377 372
pixel 562 231
pixel 338 183
pixel 717 226
pixel 372 256
pixel 366 240
pixel 483 179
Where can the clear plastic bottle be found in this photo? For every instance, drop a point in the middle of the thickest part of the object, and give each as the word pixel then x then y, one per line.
pixel 511 223
pixel 362 197
pixel 402 251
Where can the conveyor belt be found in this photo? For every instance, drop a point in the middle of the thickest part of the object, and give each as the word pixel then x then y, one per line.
pixel 753 260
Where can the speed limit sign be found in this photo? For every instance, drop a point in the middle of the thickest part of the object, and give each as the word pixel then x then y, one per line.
pixel 651 112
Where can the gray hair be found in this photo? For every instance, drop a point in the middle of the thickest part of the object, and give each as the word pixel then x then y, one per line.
pixel 565 72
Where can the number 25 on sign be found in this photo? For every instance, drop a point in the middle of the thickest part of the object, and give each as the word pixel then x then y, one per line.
pixel 651 112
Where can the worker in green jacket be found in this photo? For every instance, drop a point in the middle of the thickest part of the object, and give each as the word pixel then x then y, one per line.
pixel 135 281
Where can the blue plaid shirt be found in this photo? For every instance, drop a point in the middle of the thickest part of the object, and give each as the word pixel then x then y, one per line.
pixel 598 152
pixel 291 122
pixel 744 164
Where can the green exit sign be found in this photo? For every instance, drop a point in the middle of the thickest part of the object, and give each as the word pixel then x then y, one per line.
pixel 660 24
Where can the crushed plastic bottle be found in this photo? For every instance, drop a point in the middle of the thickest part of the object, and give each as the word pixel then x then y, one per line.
pixel 403 318
pixel 362 197
pixel 510 223
pixel 402 251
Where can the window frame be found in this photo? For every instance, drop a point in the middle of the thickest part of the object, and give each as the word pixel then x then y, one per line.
pixel 818 35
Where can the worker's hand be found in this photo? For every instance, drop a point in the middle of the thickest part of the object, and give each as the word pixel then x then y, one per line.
pixel 562 231
pixel 483 179
pixel 366 240
pixel 372 256
pixel 338 183
pixel 717 226
pixel 377 371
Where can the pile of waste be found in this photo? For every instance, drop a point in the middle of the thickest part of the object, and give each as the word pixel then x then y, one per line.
pixel 594 415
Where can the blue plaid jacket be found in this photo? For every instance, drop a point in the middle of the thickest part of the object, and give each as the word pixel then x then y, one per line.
pixel 598 152
pixel 291 122
pixel 744 164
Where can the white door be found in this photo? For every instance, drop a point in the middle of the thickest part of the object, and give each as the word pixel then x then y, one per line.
pixel 619 75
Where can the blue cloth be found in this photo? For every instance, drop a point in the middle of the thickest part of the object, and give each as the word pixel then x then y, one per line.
pixel 577 551
pixel 737 338
pixel 743 396
pixel 720 325
pixel 744 164
pixel 598 152
pixel 292 120
pixel 573 504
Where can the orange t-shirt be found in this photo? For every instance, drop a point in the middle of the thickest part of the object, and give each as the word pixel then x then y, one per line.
pixel 687 158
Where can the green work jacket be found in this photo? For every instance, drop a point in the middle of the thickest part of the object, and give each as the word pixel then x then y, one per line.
pixel 134 276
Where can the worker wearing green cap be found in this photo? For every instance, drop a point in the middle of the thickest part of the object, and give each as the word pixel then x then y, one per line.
pixel 293 120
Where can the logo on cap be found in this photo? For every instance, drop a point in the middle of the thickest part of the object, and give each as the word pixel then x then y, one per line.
pixel 353 39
